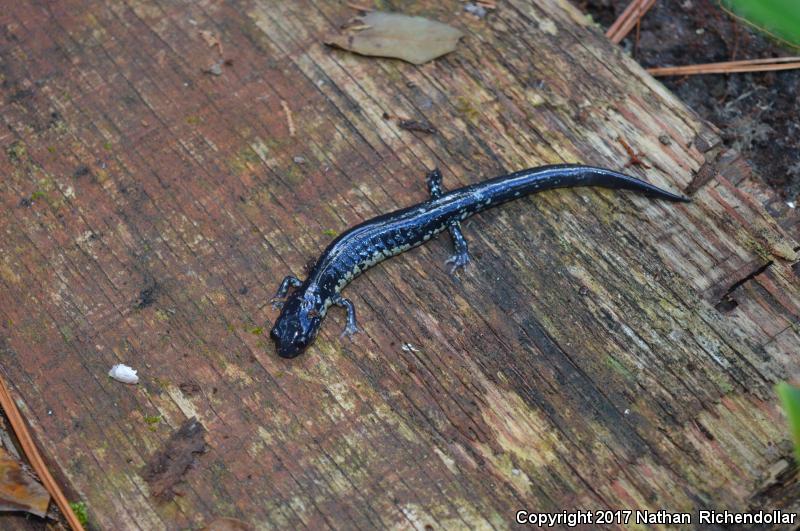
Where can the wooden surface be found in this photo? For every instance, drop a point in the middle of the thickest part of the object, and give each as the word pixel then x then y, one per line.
pixel 602 350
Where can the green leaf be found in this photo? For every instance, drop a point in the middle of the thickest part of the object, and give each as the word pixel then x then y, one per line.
pixel 790 399
pixel 780 18
pixel 79 508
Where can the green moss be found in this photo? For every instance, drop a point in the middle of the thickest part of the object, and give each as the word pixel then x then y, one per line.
pixel 162 383
pixel 79 508
pixel 250 156
pixel 16 152
pixel 193 120
pixel 107 146
pixel 294 174
pixel 152 419
pixel 618 367
pixel 66 333
pixel 51 149
pixel 329 232
pixel 38 194
pixel 725 387
pixel 465 107
pixel 256 330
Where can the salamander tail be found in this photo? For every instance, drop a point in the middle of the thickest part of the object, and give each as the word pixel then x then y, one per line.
pixel 612 179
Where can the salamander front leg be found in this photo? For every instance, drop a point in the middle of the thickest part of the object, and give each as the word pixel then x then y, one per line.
pixel 434 181
pixel 461 257
pixel 351 327
pixel 283 289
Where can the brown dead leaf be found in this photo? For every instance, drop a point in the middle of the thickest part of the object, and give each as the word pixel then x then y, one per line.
pixel 166 468
pixel 413 39
pixel 19 490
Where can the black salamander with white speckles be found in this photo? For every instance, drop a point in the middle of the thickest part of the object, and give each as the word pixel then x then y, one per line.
pixel 379 238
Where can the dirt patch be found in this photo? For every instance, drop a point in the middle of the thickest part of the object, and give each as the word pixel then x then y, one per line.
pixel 166 468
pixel 759 114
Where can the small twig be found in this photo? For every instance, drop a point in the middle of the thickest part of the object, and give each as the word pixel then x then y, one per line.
pixel 729 67
pixel 289 120
pixel 359 27
pixel 487 4
pixel 628 19
pixel 635 158
pixel 359 7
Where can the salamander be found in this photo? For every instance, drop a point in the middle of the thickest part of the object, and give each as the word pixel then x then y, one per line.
pixel 368 243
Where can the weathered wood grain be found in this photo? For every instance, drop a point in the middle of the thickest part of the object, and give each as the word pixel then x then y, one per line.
pixel 602 351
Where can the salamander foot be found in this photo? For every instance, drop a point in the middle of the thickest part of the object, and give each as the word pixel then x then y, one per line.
pixel 457 260
pixel 350 328
pixel 461 257
pixel 349 331
pixel 283 289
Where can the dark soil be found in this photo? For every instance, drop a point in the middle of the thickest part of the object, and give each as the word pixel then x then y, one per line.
pixel 759 113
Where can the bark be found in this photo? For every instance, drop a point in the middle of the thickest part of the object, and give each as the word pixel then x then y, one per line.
pixel 602 350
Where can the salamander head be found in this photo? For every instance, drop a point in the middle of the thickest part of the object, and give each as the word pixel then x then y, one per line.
pixel 298 324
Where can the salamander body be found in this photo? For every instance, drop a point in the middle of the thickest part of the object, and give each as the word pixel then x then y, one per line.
pixel 375 240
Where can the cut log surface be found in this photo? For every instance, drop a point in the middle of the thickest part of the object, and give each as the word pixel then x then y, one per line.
pixel 602 350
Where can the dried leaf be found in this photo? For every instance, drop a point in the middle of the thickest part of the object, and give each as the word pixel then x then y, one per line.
pixel 413 39
pixel 19 491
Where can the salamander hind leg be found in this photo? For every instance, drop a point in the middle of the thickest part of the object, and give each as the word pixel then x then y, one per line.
pixel 347 304
pixel 461 256
pixel 283 289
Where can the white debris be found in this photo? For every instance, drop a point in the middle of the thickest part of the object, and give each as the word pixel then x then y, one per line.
pixel 408 347
pixel 477 10
pixel 123 373
pixel 791 204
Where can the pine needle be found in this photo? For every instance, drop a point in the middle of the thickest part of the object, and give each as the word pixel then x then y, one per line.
pixel 729 67
pixel 628 19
